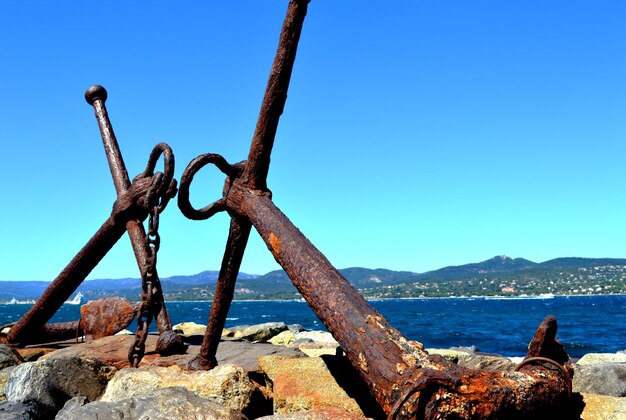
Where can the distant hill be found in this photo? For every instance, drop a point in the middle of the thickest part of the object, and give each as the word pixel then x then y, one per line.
pixel 498 276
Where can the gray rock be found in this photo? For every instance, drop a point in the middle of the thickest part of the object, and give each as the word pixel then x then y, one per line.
pixel 463 357
pixel 18 411
pixel 603 379
pixel 295 328
pixel 50 383
pixel 9 357
pixel 4 378
pixel 263 332
pixel 488 363
pixel 160 404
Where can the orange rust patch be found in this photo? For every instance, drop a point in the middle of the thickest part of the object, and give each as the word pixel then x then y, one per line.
pixel 274 243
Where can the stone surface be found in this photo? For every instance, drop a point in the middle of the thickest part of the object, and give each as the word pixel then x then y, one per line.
pixel 602 407
pixel 18 411
pixel 114 351
pixel 304 384
pixel 4 378
pixel 595 358
pixel 226 384
pixel 603 379
pixel 316 336
pixel 314 349
pixel 30 354
pixel 159 404
pixel 9 357
pixel 49 384
pixel 262 332
pixel 488 363
pixel 318 414
pixel 190 328
pixel 285 338
pixel 452 355
pixel 468 358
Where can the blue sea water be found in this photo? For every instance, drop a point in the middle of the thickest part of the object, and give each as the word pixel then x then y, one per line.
pixel 505 326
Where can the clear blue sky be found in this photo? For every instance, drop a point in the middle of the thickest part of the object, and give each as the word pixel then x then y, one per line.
pixel 416 134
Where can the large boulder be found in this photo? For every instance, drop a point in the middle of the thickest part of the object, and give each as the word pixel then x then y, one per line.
pixel 226 384
pixel 603 407
pixel 49 384
pixel 603 379
pixel 305 384
pixel 159 404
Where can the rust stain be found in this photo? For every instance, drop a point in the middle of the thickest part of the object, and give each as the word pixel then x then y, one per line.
pixel 274 243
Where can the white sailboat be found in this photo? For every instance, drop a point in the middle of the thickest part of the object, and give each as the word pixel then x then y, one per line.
pixel 78 299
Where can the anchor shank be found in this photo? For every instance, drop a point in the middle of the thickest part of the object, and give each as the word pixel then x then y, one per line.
pixel 404 379
pixel 255 173
pixel 96 96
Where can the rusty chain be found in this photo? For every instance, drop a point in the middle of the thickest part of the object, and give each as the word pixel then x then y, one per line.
pixel 161 190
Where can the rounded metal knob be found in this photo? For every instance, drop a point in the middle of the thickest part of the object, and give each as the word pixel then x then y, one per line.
pixel 94 93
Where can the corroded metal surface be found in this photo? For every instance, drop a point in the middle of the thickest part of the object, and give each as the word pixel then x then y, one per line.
pixel 147 195
pixel 107 316
pixel 254 176
pixel 406 381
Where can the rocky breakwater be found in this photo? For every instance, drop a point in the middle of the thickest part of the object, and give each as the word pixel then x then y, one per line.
pixel 269 371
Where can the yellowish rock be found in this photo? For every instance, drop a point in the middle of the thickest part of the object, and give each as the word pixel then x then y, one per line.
pixel 304 384
pixel 318 349
pixel 285 338
pixel 226 384
pixel 596 358
pixel 603 407
pixel 190 328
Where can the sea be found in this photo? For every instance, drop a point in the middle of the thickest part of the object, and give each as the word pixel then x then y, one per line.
pixel 505 326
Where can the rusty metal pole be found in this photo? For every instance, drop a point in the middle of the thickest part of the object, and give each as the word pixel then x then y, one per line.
pixel 97 96
pixel 406 381
pixel 254 175
pixel 403 378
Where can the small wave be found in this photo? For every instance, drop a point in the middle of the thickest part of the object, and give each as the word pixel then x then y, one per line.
pixel 232 319
pixel 196 309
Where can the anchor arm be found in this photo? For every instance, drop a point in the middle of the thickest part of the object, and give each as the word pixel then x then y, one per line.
pixel 130 204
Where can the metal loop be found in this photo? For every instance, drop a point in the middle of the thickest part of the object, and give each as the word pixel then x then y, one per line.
pixel 185 181
pixel 168 166
pixel 538 359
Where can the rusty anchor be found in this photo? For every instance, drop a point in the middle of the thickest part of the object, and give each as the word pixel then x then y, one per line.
pixel 146 196
pixel 404 379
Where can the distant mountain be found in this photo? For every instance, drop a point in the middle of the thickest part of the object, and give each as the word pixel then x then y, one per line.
pixel 498 276
pixel 499 264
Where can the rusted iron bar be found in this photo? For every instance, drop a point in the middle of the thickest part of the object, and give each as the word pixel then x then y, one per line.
pixel 254 175
pixel 403 378
pixel 406 381
pixel 96 96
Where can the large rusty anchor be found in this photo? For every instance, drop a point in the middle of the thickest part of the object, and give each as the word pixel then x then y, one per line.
pixel 406 381
pixel 145 197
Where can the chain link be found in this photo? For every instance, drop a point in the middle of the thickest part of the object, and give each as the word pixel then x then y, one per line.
pixel 156 197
